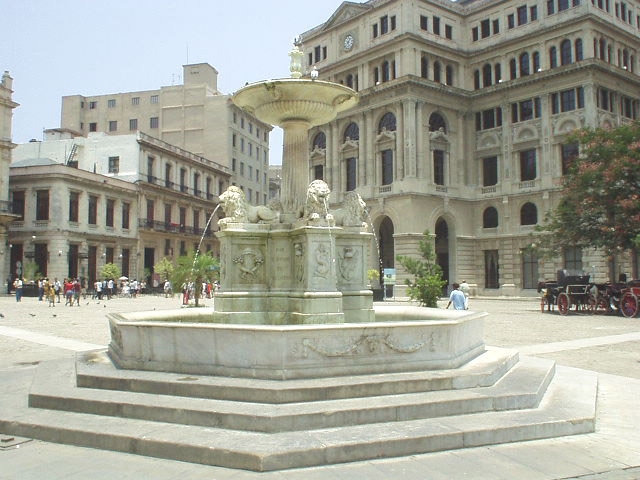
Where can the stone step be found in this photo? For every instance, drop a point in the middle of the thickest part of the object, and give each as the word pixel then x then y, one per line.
pixel 568 408
pixel 522 387
pixel 95 370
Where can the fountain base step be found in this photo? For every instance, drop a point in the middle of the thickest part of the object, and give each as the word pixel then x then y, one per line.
pixel 527 401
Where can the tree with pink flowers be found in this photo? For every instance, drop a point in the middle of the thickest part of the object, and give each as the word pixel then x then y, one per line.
pixel 600 207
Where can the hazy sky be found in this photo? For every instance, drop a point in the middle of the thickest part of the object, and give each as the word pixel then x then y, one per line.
pixel 54 48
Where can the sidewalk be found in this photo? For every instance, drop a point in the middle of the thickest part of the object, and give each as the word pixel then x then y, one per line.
pixel 31 332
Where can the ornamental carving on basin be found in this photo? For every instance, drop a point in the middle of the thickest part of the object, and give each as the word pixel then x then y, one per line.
pixel 348 263
pixel 323 263
pixel 366 345
pixel 249 261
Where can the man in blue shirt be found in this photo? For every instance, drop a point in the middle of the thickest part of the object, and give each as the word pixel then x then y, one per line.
pixel 456 297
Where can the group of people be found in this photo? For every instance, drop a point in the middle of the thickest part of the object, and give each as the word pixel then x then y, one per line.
pixel 52 290
pixel 459 296
pixel 207 290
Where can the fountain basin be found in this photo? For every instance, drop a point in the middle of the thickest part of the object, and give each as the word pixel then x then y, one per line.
pixel 403 339
pixel 313 102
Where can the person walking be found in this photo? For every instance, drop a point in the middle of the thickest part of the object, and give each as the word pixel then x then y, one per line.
pixel 50 292
pixel 68 292
pixel 18 284
pixel 77 288
pixel 456 297
pixel 465 289
pixel 57 287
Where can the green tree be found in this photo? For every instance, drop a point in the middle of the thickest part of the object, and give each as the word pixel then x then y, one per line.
pixel 600 205
pixel 195 268
pixel 30 271
pixel 110 270
pixel 164 268
pixel 426 285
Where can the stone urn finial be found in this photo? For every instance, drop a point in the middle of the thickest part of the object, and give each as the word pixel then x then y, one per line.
pixel 296 59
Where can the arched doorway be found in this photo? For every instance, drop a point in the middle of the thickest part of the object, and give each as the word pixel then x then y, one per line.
pixel 442 250
pixel 387 255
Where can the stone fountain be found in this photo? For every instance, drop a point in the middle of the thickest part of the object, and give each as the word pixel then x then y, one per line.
pixel 294 366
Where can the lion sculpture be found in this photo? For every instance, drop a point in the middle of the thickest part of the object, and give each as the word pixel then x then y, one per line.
pixel 315 210
pixel 352 213
pixel 235 206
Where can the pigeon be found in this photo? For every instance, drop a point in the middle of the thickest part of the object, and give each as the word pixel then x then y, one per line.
pixel 87 303
pixel 32 314
pixel 104 306
pixel 1 315
pixel 55 315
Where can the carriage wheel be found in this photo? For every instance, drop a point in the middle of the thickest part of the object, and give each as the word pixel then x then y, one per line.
pixel 564 303
pixel 629 305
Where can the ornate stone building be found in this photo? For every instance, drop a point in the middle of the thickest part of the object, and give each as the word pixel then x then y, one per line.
pixel 6 146
pixel 193 116
pixel 461 129
pixel 124 199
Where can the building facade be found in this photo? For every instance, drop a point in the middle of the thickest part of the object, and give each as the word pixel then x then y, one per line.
pixel 465 109
pixel 193 116
pixel 148 200
pixel 6 146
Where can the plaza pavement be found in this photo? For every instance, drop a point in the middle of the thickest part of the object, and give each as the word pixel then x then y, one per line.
pixel 32 332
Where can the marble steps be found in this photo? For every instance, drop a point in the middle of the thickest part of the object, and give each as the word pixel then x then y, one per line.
pixel 96 371
pixel 567 408
pixel 522 387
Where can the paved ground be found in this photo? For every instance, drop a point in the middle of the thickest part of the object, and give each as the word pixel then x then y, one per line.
pixel 31 332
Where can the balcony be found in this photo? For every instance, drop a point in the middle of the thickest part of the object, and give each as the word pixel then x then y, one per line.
pixel 167 227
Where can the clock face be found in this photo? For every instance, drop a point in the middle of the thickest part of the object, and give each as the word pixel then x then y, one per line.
pixel 348 42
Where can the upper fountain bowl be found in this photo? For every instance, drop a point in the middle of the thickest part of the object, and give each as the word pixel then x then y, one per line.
pixel 277 102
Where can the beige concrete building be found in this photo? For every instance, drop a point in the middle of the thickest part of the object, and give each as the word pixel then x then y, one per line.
pixel 124 199
pixel 462 124
pixel 194 116
pixel 6 146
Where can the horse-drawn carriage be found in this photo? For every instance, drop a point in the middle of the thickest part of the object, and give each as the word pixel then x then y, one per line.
pixel 574 290
pixel 568 290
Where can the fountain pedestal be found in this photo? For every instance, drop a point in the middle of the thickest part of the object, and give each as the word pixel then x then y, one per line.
pixel 277 275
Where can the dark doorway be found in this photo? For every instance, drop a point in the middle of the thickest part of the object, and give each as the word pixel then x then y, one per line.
pixel 73 261
pixel 93 254
pixel 17 260
pixel 442 251
pixel 491 269
pixel 149 262
pixel 40 257
pixel 387 249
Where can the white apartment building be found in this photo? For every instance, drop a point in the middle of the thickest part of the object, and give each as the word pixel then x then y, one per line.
pixel 465 108
pixel 194 116
pixel 164 198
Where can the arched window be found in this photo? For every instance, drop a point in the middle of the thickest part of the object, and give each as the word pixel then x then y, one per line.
pixel 565 52
pixel 386 73
pixel 512 68
pixel 448 75
pixel 352 132
pixel 578 47
pixel 486 75
pixel 490 218
pixel 553 57
pixel 436 122
pixel 536 62
pixel 528 214
pixel 424 67
pixel 524 64
pixel 387 122
pixel 497 71
pixel 320 140
pixel 436 72
pixel 476 79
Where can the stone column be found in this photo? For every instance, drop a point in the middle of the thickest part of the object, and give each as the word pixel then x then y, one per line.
pixel 333 159
pixel 409 144
pixel 369 139
pixel 362 151
pixel 294 165
pixel 399 144
pixel 420 141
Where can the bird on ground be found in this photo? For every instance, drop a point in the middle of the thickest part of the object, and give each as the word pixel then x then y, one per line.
pixel 32 314
pixel 1 315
